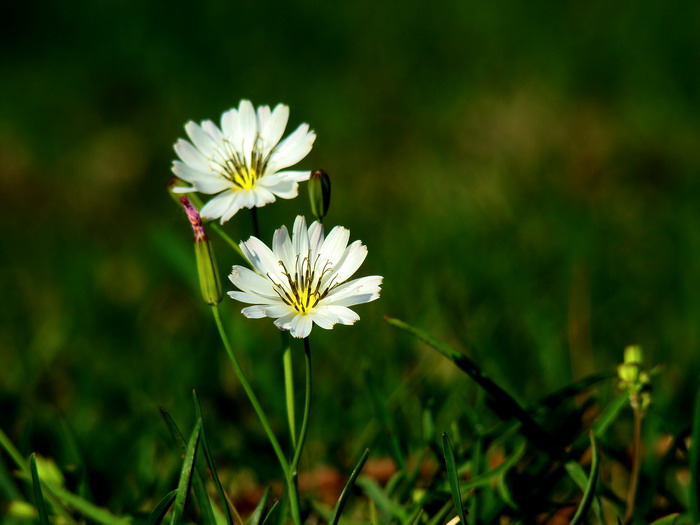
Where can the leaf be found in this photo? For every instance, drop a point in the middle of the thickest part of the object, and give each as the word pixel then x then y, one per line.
pixel 376 495
pixel 667 520
pixel 256 516
pixel 452 476
pixel 38 495
pixel 382 409
pixel 157 515
pixel 231 519
pixel 186 474
pixel 609 414
pixel 200 491
pixel 486 478
pixel 589 493
pixel 272 514
pixel 504 404
pixel 342 500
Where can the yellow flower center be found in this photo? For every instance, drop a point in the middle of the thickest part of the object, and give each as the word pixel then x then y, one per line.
pixel 230 163
pixel 303 290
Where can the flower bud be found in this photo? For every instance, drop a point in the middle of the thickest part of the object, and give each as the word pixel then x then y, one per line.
pixel 319 193
pixel 209 281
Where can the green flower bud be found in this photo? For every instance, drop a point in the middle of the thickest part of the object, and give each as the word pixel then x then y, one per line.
pixel 209 281
pixel 319 193
pixel 633 355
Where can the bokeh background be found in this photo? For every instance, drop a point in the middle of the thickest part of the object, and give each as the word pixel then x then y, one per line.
pixel 524 174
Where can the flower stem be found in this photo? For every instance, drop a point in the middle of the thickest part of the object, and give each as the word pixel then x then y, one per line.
pixel 221 233
pixel 636 461
pixel 256 225
pixel 289 388
pixel 251 395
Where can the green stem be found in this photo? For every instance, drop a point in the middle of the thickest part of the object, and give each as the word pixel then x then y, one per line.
pixel 636 462
pixel 289 388
pixel 251 395
pixel 256 225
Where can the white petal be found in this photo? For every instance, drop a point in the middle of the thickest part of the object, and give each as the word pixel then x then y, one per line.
pixel 263 116
pixel 189 154
pixel 341 314
pixel 352 259
pixel 300 237
pixel 204 182
pixel 300 326
pixel 285 322
pixel 229 125
pixel 200 138
pixel 236 205
pixel 249 281
pixel 285 189
pixel 254 312
pixel 282 247
pixel 292 149
pixel 182 189
pixel 187 173
pixel 217 206
pixel 262 258
pixel 279 310
pixel 251 298
pixel 262 196
pixel 213 130
pixel 248 128
pixel 273 129
pixel 297 176
pixel 322 319
pixel 315 239
pixel 335 244
pixel 357 291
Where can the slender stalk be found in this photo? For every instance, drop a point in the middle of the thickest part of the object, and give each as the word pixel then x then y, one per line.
pixel 289 389
pixel 256 225
pixel 228 240
pixel 251 395
pixel 636 462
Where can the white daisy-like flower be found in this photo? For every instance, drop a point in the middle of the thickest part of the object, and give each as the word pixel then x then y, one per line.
pixel 302 279
pixel 243 162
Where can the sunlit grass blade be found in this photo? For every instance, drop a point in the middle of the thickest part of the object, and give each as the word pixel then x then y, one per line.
pixel 272 514
pixel 609 414
pixel 485 479
pixel 232 515
pixel 504 404
pixel 695 463
pixel 589 493
pixel 376 495
pixel 200 491
pixel 38 495
pixel 157 515
pixel 256 516
pixel 186 474
pixel 87 509
pixel 452 476
pixel 342 500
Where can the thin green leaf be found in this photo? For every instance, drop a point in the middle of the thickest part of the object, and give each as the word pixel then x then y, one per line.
pixel 272 514
pixel 589 493
pixel 186 474
pixel 89 510
pixel 488 476
pixel 200 491
pixel 504 404
pixel 70 445
pixel 157 515
pixel 441 515
pixel 667 520
pixel 375 493
pixel 572 390
pixel 289 388
pixel 609 414
pixel 695 463
pixel 416 520
pixel 340 505
pixel 232 515
pixel 452 476
pixel 38 495
pixel 256 516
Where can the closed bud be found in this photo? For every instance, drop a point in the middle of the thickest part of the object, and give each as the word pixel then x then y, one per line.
pixel 319 193
pixel 209 282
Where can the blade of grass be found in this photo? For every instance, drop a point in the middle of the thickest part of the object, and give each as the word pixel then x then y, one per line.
pixel 589 493
pixel 695 462
pixel 504 404
pixel 289 388
pixel 452 476
pixel 376 495
pixel 232 515
pixel 382 410
pixel 609 414
pixel 269 519
pixel 200 491
pixel 256 516
pixel 342 500
pixel 157 515
pixel 667 520
pixel 38 495
pixel 186 474
pixel 486 478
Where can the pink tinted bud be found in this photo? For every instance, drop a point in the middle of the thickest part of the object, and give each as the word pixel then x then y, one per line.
pixel 195 220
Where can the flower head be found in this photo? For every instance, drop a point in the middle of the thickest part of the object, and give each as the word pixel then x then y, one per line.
pixel 302 279
pixel 242 162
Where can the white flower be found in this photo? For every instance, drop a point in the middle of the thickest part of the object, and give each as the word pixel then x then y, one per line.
pixel 302 279
pixel 241 162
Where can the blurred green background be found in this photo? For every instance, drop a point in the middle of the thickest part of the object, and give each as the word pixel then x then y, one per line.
pixel 524 175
